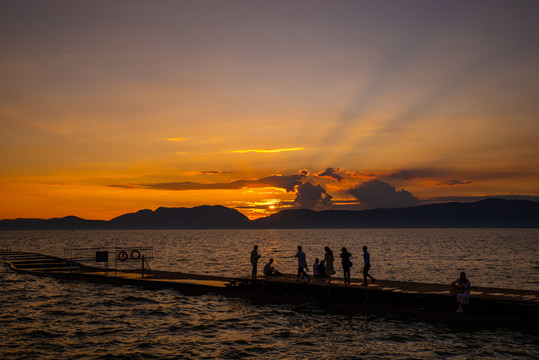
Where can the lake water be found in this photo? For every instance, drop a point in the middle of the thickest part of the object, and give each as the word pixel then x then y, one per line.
pixel 49 319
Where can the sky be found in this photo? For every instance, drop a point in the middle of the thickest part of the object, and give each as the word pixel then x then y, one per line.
pixel 108 107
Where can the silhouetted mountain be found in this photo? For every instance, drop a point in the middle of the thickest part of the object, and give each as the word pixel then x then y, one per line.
pixel 201 217
pixel 485 213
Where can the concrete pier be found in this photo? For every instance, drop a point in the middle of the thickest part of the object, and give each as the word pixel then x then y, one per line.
pixel 489 307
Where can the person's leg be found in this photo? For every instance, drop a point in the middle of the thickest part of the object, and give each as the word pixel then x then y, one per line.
pixel 299 272
pixel 304 275
pixel 253 275
pixel 369 275
pixel 365 273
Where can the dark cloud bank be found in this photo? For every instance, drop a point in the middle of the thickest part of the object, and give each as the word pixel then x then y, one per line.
pixel 374 194
pixel 371 194
pixel 288 183
pixel 310 196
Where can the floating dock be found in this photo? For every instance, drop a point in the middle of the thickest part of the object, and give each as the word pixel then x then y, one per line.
pixel 489 307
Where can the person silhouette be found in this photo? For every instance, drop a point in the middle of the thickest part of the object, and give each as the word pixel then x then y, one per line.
pixel 346 265
pixel 254 261
pixel 328 259
pixel 316 267
pixel 322 268
pixel 269 269
pixel 366 266
pixel 302 265
pixel 464 289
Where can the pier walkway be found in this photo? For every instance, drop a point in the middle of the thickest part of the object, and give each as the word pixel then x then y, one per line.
pixel 489 306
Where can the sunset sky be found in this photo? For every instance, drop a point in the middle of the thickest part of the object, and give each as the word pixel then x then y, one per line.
pixel 108 107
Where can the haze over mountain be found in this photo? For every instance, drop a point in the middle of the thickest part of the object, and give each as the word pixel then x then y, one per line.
pixel 485 213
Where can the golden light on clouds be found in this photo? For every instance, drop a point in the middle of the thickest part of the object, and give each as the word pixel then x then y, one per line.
pixel 255 209
pixel 267 150
pixel 199 119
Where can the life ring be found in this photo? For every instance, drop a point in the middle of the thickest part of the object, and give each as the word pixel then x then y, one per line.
pixel 122 256
pixel 135 254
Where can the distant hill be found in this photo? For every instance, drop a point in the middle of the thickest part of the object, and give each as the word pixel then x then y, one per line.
pixel 201 217
pixel 490 213
pixel 485 213
pixel 65 223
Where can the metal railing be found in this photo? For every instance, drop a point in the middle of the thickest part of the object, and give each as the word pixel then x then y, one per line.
pixel 127 259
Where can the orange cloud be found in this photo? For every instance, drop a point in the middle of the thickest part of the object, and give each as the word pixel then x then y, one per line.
pixel 267 150
pixel 208 172
pixel 283 182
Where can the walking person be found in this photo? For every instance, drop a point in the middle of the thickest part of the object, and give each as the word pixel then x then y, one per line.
pixel 302 265
pixel 254 261
pixel 328 258
pixel 366 266
pixel 346 265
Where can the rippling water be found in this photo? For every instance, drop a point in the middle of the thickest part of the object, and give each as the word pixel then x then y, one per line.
pixel 45 318
pixel 492 257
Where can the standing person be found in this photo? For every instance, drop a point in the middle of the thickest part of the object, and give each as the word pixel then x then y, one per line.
pixel 254 261
pixel 346 265
pixel 328 258
pixel 464 288
pixel 322 268
pixel 366 266
pixel 302 265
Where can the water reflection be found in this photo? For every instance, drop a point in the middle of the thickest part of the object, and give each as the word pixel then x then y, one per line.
pixel 50 319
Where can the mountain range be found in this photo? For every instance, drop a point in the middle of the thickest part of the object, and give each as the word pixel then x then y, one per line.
pixel 490 213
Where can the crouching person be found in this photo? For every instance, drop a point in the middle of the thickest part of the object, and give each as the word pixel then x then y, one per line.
pixel 462 288
pixel 269 269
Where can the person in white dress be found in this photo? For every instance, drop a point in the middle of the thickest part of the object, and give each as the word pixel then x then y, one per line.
pixel 464 289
